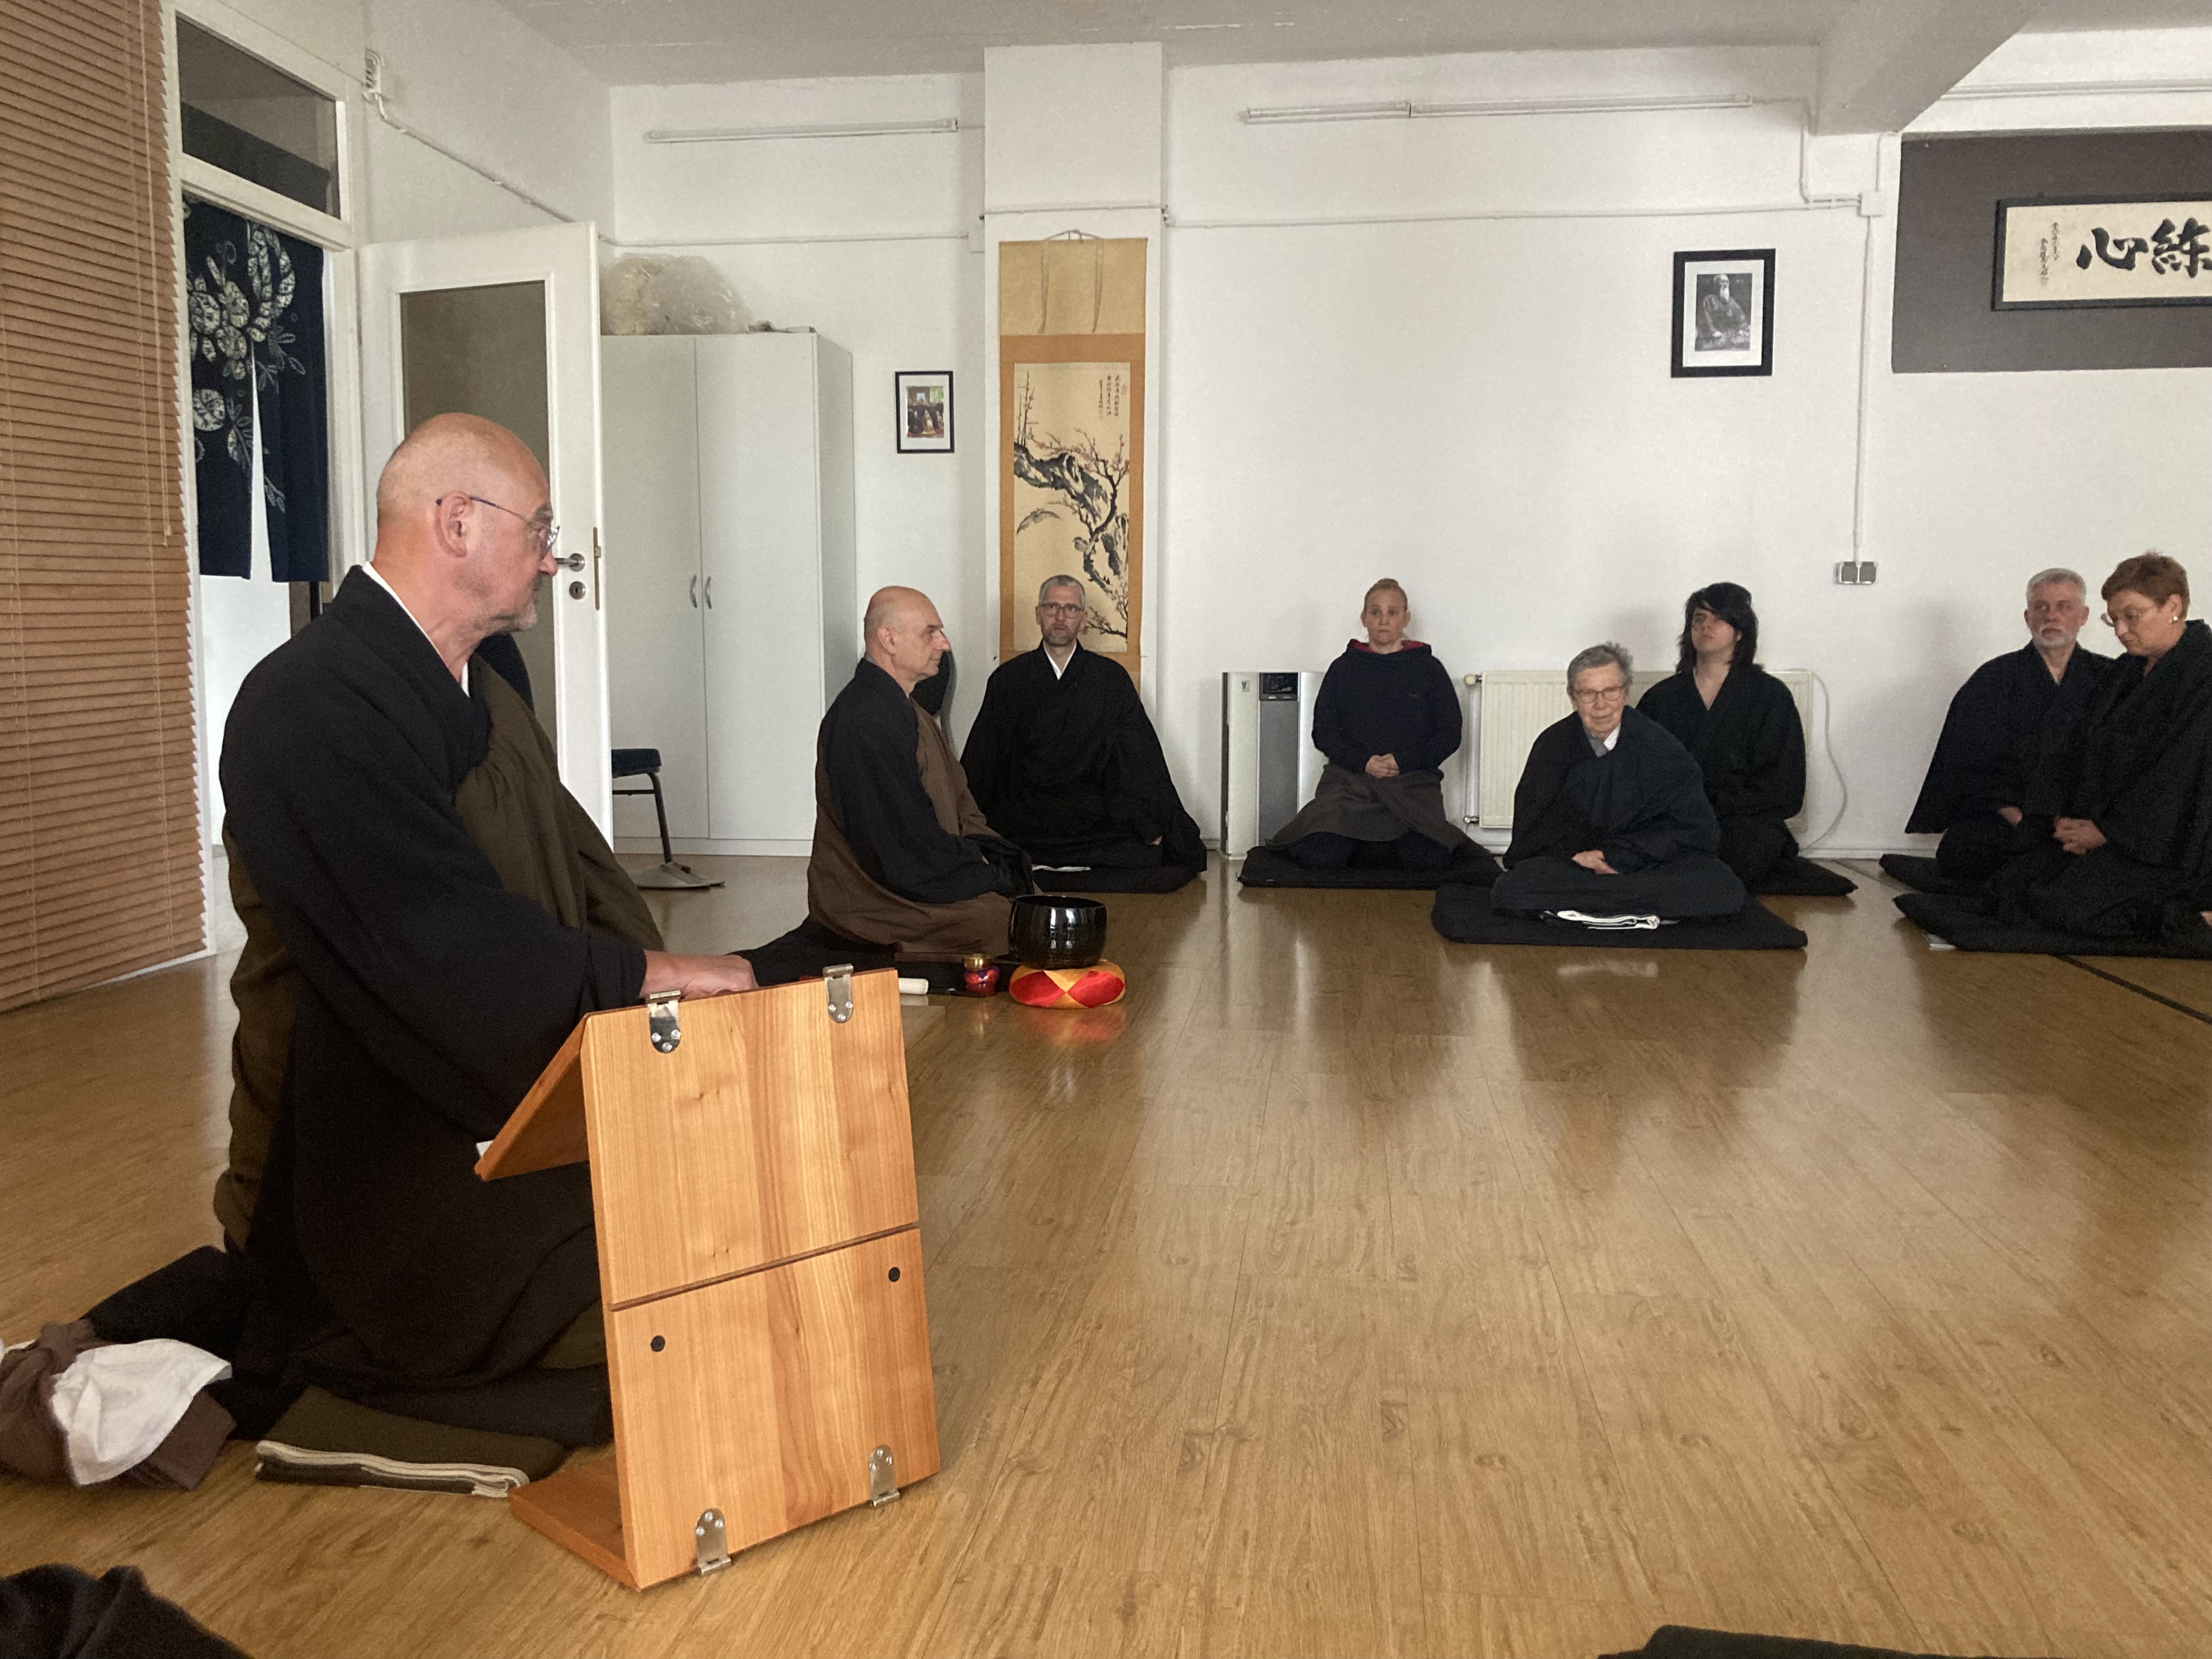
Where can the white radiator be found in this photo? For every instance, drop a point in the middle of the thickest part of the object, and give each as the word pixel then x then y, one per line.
pixel 1514 705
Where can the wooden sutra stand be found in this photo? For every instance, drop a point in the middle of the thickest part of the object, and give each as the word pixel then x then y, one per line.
pixel 760 1265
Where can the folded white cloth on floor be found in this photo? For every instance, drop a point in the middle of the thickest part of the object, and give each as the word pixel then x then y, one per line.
pixel 117 1404
pixel 1619 924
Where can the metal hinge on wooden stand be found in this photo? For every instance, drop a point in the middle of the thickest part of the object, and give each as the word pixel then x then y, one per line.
pixel 662 1025
pixel 710 1541
pixel 883 1477
pixel 839 980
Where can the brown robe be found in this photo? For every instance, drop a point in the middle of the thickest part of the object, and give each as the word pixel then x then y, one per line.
pixel 544 846
pixel 842 897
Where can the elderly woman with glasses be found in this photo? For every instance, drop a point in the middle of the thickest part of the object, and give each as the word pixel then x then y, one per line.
pixel 1610 821
pixel 2127 805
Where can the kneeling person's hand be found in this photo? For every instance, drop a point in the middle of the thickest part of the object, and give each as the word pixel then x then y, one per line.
pixel 696 976
pixel 1594 859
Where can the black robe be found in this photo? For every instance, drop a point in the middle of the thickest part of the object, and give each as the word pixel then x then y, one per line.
pixel 1068 768
pixel 1750 745
pixel 2139 767
pixel 1642 803
pixel 1399 703
pixel 428 998
pixel 2007 717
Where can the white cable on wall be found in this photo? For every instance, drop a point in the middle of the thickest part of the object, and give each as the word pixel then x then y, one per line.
pixel 373 94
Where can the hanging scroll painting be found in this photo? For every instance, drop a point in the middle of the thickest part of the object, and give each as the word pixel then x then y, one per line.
pixel 1071 437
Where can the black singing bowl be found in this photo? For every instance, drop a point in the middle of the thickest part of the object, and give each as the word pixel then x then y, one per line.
pixel 1049 931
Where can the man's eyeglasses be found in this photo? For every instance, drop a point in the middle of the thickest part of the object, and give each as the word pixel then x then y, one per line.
pixel 1062 610
pixel 543 532
pixel 1602 693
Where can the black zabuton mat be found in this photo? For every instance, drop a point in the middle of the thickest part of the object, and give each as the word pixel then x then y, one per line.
pixel 1681 1641
pixel 1264 866
pixel 1160 878
pixel 1968 924
pixel 1802 879
pixel 1925 875
pixel 1464 915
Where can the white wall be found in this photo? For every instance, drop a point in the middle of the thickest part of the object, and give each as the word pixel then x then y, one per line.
pixel 869 241
pixel 1482 406
pixel 1438 349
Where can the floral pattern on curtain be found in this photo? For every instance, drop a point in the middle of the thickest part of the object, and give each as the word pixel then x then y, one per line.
pixel 255 302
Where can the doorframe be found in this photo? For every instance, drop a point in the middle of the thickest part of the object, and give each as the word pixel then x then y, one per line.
pixel 337 236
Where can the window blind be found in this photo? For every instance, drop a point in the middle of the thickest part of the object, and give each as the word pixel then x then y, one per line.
pixel 99 853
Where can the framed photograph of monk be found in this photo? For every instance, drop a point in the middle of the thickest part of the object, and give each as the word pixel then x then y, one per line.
pixel 925 411
pixel 1724 313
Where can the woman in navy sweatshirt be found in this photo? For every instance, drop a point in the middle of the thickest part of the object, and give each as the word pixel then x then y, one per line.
pixel 1387 719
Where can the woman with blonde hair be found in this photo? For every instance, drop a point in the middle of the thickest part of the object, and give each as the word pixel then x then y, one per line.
pixel 1387 720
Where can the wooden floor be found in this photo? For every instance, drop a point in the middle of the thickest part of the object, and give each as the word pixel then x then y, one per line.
pixel 1344 1291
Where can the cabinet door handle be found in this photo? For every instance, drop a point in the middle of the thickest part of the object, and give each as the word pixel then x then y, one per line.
pixel 695 592
pixel 710 593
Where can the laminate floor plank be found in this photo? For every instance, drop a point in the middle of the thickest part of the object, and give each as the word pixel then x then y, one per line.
pixel 1344 1291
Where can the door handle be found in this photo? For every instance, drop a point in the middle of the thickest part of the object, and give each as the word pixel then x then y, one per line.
pixel 710 593
pixel 695 592
pixel 574 561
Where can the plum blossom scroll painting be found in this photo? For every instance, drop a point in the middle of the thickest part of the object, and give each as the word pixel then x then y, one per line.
pixel 2109 252
pixel 1071 454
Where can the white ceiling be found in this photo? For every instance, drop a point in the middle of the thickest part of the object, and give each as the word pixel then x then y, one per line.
pixel 633 42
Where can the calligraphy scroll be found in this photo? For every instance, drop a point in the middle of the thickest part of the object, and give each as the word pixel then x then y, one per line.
pixel 2109 252
pixel 1071 437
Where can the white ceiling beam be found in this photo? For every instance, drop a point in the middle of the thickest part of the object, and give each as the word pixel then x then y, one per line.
pixel 1885 61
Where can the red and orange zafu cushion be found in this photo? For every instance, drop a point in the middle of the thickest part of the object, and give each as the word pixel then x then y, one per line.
pixel 1094 986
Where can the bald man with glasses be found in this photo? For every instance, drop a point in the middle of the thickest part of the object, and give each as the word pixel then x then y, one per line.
pixel 428 912
pixel 1610 821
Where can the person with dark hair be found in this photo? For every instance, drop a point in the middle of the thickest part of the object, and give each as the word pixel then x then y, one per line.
pixel 1064 760
pixel 1610 820
pixel 2125 808
pixel 2013 712
pixel 1387 719
pixel 1742 725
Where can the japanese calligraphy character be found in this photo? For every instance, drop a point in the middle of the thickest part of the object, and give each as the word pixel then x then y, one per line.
pixel 2118 252
pixel 2172 249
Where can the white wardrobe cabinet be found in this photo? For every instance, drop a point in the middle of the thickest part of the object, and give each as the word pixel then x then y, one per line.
pixel 731 614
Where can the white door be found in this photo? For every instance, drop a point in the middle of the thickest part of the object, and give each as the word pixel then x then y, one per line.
pixel 506 325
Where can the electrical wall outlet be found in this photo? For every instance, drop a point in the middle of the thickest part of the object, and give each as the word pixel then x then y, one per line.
pixel 1855 573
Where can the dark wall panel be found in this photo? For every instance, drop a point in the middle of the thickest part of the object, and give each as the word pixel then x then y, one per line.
pixel 1946 234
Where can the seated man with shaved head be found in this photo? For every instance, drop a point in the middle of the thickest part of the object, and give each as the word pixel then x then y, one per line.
pixel 902 856
pixel 1610 821
pixel 427 912
pixel 1064 760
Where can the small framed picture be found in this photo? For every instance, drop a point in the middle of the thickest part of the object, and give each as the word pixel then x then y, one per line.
pixel 1724 313
pixel 925 411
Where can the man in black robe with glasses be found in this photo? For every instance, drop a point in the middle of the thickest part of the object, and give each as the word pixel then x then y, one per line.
pixel 2014 712
pixel 1064 760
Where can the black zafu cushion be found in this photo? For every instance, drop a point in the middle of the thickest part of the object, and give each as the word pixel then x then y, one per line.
pixel 630 763
pixel 1800 877
pixel 1160 878
pixel 1968 924
pixel 1464 915
pixel 1925 875
pixel 1266 866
